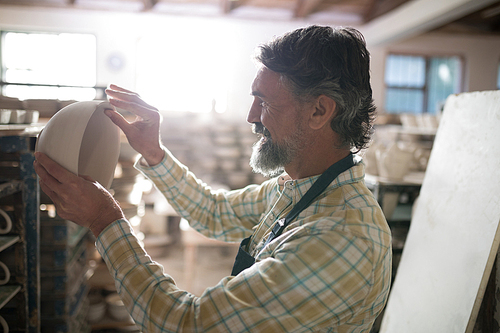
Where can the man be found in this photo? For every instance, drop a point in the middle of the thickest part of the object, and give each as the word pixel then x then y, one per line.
pixel 325 268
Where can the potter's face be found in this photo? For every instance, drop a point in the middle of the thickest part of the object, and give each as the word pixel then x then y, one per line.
pixel 269 158
pixel 276 118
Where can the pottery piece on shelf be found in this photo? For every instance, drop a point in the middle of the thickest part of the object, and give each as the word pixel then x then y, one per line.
pixel 5 116
pixel 394 163
pixel 408 120
pixel 31 116
pixel 370 159
pixel 6 274
pixel 81 138
pixel 17 116
pixel 8 222
pixel 430 121
pixel 97 308
pixel 389 203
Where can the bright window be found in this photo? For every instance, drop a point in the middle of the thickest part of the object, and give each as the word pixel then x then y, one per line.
pixel 417 84
pixel 48 66
pixel 185 70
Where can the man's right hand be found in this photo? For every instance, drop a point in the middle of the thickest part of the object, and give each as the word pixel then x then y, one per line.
pixel 143 133
pixel 77 198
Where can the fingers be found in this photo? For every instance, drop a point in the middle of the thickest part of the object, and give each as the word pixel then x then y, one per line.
pixel 118 88
pixel 143 133
pixel 128 96
pixel 135 108
pixel 131 101
pixel 144 112
pixel 48 183
pixel 51 194
pixel 46 178
pixel 76 198
pixel 52 172
pixel 118 119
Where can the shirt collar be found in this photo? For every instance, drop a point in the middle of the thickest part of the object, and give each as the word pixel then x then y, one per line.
pixel 354 174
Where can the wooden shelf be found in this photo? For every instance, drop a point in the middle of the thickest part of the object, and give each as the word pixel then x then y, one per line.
pixel 10 187
pixel 21 129
pixel 19 191
pixel 6 241
pixel 7 292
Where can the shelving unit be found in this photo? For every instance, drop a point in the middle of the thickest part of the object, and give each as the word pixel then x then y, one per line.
pixel 63 275
pixel 9 291
pixel 47 256
pixel 47 291
pixel 400 219
pixel 19 249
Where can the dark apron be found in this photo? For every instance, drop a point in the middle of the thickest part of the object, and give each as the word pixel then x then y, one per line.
pixel 244 260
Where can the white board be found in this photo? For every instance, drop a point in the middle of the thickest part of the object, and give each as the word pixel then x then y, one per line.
pixel 453 238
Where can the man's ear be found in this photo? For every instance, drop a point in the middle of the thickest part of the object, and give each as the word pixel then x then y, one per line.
pixel 323 113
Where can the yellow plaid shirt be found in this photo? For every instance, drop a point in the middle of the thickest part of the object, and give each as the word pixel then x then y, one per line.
pixel 329 271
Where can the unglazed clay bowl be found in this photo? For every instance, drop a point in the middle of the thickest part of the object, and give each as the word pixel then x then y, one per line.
pixel 82 139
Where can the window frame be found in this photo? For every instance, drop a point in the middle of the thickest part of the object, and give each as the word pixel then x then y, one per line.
pixel 99 91
pixel 425 89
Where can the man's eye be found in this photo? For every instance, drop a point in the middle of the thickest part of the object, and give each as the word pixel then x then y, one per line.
pixel 264 105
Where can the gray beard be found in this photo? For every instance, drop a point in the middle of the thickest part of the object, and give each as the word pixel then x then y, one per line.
pixel 269 158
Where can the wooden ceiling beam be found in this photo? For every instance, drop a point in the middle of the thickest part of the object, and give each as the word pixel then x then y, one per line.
pixel 149 4
pixel 418 17
pixel 228 5
pixel 305 8
pixel 380 7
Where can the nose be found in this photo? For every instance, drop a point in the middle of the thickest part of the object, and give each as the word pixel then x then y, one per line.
pixel 254 112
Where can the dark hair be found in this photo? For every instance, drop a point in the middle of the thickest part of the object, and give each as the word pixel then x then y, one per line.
pixel 320 60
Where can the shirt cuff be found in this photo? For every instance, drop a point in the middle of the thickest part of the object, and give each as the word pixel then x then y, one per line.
pixel 169 171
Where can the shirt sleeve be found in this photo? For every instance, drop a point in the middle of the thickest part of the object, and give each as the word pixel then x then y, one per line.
pixel 324 284
pixel 223 215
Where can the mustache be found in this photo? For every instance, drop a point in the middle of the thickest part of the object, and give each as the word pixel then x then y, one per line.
pixel 258 128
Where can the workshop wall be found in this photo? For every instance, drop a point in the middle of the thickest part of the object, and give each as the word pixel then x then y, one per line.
pixel 118 34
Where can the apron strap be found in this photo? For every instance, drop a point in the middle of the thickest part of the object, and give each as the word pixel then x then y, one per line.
pixel 244 260
pixel 316 189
